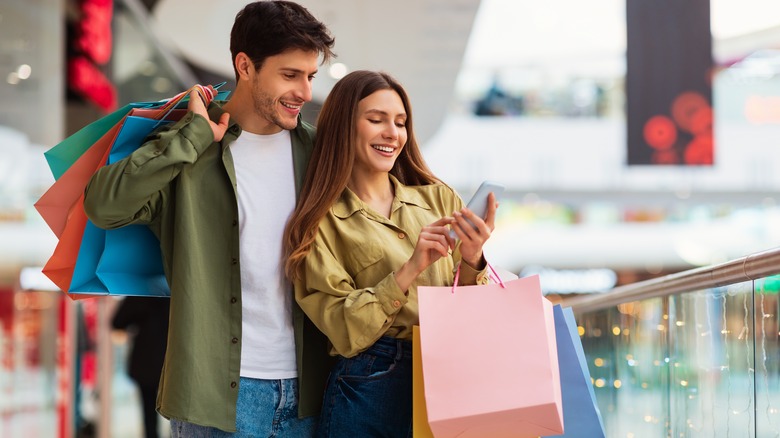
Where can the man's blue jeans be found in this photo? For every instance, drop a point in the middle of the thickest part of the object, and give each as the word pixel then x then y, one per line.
pixel 370 395
pixel 266 408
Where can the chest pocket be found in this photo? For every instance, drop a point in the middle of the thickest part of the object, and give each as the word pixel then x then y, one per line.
pixel 360 259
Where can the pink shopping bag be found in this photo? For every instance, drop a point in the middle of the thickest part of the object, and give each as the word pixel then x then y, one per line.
pixel 490 361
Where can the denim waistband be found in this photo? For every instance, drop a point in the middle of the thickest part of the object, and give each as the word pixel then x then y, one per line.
pixel 391 347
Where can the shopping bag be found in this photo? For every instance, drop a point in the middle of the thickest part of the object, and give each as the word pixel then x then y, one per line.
pixel 56 203
pixel 131 263
pixel 581 415
pixel 62 208
pixel 59 267
pixel 64 154
pixel 490 362
pixel 123 261
pixel 420 427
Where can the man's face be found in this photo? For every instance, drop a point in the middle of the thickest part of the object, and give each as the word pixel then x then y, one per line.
pixel 280 88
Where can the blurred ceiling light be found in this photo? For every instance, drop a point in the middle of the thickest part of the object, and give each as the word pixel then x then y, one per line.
pixel 338 70
pixel 24 71
pixel 147 68
pixel 162 85
pixel 13 78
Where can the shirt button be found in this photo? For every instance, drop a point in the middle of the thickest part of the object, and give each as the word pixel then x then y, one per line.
pixel 401 235
pixel 234 340
pixel 235 222
pixel 233 300
pixel 233 261
pixel 232 384
pixel 396 304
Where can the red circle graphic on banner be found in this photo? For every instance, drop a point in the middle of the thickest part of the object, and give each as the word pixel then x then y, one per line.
pixel 701 121
pixel 660 132
pixel 699 150
pixel 666 156
pixel 684 109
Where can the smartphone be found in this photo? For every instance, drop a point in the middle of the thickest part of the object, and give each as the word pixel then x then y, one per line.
pixel 479 202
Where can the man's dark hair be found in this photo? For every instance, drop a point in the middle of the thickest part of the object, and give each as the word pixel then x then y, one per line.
pixel 270 27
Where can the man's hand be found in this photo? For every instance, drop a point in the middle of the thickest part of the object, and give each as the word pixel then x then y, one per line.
pixel 197 106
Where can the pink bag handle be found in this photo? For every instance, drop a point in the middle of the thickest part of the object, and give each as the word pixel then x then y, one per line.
pixel 494 276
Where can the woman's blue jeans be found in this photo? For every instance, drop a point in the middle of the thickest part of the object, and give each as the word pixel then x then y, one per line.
pixel 370 395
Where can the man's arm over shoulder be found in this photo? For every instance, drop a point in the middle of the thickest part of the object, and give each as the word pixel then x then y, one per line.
pixel 132 189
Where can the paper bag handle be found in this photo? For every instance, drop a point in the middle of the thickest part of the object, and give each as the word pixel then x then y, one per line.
pixel 494 276
pixel 204 92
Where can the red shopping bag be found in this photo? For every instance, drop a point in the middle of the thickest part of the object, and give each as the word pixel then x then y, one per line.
pixel 489 359
pixel 55 204
pixel 59 267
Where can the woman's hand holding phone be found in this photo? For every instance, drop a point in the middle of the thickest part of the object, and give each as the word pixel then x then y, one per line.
pixel 474 223
pixel 473 231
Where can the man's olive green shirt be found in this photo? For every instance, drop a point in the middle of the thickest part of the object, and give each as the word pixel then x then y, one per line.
pixel 348 286
pixel 182 185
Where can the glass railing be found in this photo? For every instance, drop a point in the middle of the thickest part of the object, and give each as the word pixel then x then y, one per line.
pixel 694 354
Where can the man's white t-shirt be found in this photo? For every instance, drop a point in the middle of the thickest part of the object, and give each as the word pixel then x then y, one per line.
pixel 266 198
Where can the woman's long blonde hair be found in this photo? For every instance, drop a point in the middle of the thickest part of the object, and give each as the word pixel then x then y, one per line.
pixel 334 155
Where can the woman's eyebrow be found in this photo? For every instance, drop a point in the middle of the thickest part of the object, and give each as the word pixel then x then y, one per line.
pixel 384 113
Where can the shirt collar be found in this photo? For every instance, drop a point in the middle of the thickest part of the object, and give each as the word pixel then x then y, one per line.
pixel 349 203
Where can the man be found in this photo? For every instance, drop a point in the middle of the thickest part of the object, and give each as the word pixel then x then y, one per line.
pixel 217 188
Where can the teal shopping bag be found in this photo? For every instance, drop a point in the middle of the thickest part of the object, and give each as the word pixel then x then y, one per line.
pixel 64 154
pixel 581 415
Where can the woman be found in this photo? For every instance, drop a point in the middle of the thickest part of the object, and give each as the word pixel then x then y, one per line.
pixel 372 224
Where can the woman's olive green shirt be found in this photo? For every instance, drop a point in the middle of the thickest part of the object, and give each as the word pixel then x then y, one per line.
pixel 182 185
pixel 348 286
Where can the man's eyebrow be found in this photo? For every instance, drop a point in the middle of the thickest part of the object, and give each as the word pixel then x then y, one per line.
pixel 297 70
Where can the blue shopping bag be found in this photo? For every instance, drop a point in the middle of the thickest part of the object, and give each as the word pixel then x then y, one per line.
pixel 124 261
pixel 581 415
pixel 131 263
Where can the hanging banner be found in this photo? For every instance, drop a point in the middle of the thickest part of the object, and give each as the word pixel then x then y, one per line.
pixel 669 82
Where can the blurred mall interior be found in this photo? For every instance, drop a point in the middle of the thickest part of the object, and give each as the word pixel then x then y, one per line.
pixel 659 223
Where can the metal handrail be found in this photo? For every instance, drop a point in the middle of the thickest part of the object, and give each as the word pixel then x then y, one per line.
pixel 751 267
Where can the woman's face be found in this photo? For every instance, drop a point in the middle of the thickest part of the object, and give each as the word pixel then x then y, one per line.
pixel 381 131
